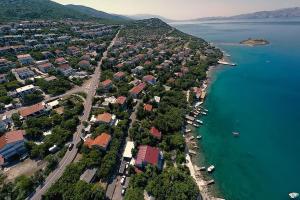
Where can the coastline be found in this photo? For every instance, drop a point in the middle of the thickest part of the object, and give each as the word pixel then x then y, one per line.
pixel 193 160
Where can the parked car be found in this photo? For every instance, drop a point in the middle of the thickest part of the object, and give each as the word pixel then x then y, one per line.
pixel 71 146
pixel 123 191
pixel 123 179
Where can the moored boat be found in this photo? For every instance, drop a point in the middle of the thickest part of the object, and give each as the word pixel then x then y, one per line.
pixel 199 137
pixel 236 134
pixel 210 168
pixel 293 195
pixel 203 113
pixel 199 121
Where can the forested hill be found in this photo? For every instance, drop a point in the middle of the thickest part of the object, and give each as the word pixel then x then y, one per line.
pixel 96 13
pixel 46 9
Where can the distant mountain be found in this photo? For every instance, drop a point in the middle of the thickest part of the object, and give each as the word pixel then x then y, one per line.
pixel 35 9
pixel 46 9
pixel 274 14
pixel 149 16
pixel 96 13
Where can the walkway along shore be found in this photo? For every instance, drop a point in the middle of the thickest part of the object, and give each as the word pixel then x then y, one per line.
pixel 193 168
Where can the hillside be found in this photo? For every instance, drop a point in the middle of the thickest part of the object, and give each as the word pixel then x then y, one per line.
pixel 35 9
pixel 149 16
pixel 274 14
pixel 46 9
pixel 96 13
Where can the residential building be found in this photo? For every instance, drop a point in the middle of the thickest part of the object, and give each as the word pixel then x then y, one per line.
pixel 105 118
pixel 12 144
pixel 119 75
pixel 149 79
pixel 107 84
pixel 27 89
pixel 149 155
pixel 45 67
pixel 102 141
pixel 34 110
pixel 84 64
pixel 155 132
pixel 148 107
pixel 65 69
pixel 24 73
pixel 25 59
pixel 136 91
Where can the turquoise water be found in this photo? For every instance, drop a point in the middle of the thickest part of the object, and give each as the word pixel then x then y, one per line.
pixel 260 98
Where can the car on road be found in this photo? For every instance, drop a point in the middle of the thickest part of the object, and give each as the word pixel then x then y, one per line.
pixel 123 191
pixel 70 147
pixel 123 179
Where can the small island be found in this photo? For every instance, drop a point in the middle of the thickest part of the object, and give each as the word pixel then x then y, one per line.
pixel 254 42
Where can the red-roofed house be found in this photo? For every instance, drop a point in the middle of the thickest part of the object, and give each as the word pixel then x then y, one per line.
pixel 135 91
pixel 102 141
pixel 155 132
pixel 45 67
pixel 105 118
pixel 148 107
pixel 107 84
pixel 60 61
pixel 65 69
pixel 149 155
pixel 149 79
pixel 25 59
pixel 12 144
pixel 119 75
pixel 84 64
pixel 35 109
pixel 121 100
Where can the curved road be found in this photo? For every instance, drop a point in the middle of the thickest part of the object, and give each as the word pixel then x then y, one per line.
pixel 70 155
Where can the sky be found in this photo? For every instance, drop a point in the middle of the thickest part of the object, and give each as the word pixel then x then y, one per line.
pixel 183 9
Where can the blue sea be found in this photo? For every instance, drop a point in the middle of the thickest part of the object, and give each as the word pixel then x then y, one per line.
pixel 260 99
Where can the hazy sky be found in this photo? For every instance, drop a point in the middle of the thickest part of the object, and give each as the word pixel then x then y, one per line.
pixel 183 9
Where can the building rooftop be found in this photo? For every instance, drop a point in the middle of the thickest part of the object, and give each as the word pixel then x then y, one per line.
pixel 11 137
pixel 100 141
pixel 32 109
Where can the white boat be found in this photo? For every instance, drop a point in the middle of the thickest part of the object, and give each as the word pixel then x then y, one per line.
pixel 205 110
pixel 203 113
pixel 190 122
pixel 199 121
pixel 199 137
pixel 187 130
pixel 196 125
pixel 210 168
pixel 210 182
pixel 236 134
pixel 293 195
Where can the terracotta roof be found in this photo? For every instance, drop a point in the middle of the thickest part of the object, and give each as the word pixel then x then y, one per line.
pixel 106 83
pixel 148 78
pixel 121 100
pixel 84 63
pixel 11 137
pixel 32 109
pixel 23 56
pixel 137 89
pixel 119 74
pixel 148 107
pixel 147 155
pixel 148 62
pixel 60 60
pixel 101 141
pixel 119 65
pixel 105 117
pixel 155 132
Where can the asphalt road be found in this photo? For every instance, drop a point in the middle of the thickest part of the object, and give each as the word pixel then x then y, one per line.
pixel 70 155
